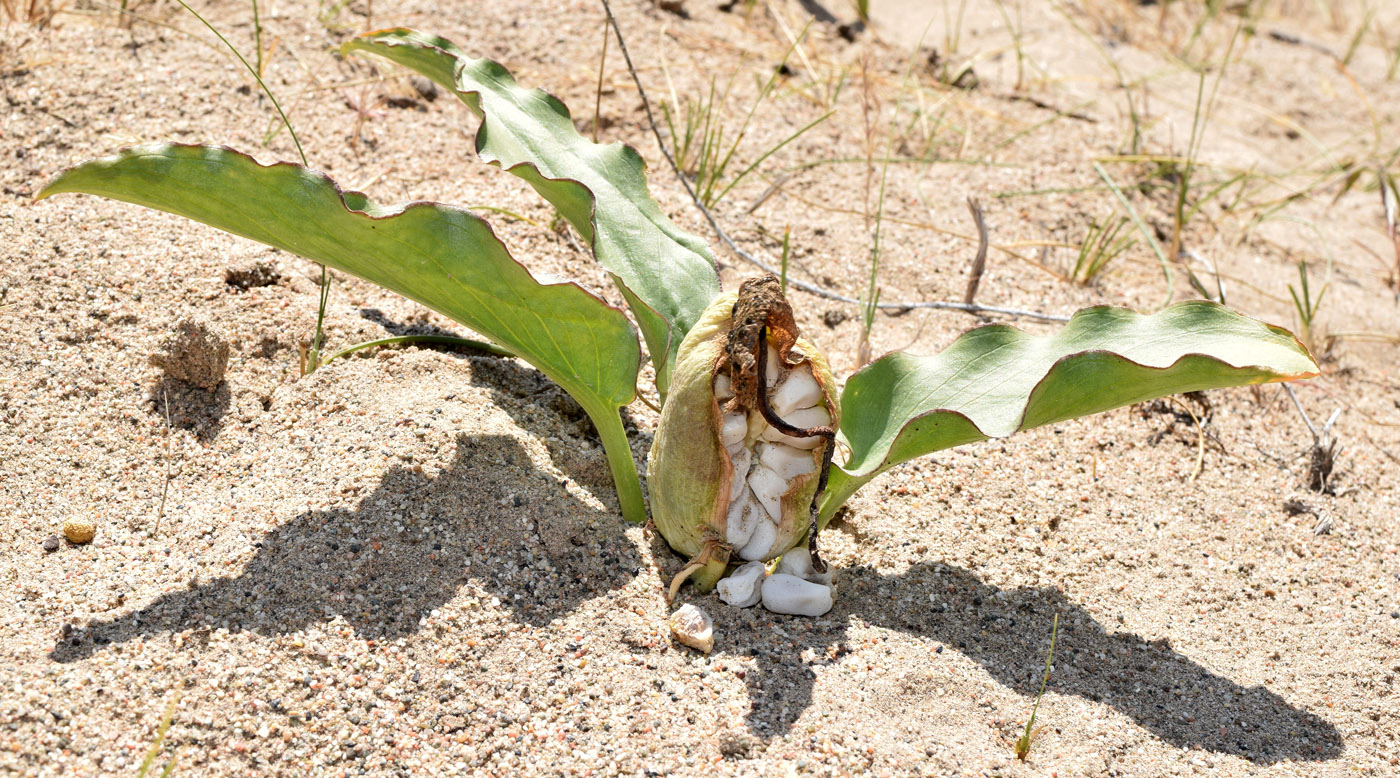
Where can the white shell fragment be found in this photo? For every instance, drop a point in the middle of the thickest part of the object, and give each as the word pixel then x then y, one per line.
pixel 786 461
pixel 788 594
pixel 765 534
pixel 799 391
pixel 693 627
pixel 798 561
pixel 744 587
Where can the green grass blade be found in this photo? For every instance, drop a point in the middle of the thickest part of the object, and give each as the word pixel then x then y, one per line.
pixel 443 257
pixel 667 275
pixel 996 380
pixel 1146 233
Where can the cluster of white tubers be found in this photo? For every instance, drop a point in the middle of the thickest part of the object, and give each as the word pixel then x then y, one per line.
pixel 766 462
pixel 794 589
pixel 726 486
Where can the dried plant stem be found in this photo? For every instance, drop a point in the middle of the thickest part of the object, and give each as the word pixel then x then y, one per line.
pixel 1304 413
pixel 165 487
pixel 979 263
pixel 769 267
pixel 598 92
pixel 1200 439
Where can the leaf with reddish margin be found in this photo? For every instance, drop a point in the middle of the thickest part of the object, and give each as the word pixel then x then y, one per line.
pixel 996 380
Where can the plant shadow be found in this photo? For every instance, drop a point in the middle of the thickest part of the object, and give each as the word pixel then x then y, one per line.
pixel 382 569
pixel 542 408
pixel 190 407
pixel 536 404
pixel 1007 631
pixel 397 329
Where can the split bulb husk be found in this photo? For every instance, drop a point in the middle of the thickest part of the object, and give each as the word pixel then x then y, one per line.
pixel 749 500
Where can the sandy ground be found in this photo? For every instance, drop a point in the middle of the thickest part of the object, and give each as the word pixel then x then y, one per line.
pixel 413 563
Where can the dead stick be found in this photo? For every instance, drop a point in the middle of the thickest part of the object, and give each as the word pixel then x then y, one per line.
pixel 980 262
pixel 768 267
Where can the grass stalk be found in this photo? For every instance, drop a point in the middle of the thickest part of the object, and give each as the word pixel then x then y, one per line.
pixel 1102 244
pixel 1014 30
pixel 1307 307
pixel 1146 233
pixel 1390 205
pixel 153 753
pixel 310 363
pixel 598 92
pixel 1023 745
pixel 1199 120
pixel 1134 117
pixel 1357 37
pixel 257 37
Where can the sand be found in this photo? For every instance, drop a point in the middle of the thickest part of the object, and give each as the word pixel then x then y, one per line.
pixel 412 562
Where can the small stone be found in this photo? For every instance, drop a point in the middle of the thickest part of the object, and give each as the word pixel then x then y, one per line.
pixel 676 7
pixel 79 531
pixel 50 543
pixel 426 89
pixel 692 627
pixel 193 353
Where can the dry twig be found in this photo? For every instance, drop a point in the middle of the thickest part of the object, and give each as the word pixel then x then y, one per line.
pixel 768 267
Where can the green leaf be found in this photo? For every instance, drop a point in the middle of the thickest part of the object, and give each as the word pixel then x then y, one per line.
pixel 443 257
pixel 996 380
pixel 667 276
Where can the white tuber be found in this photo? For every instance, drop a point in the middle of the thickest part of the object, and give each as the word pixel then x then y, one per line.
pixel 743 587
pixel 798 561
pixel 788 594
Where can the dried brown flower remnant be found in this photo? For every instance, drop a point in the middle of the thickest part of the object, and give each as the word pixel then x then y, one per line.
pixel 762 313
pixel 761 306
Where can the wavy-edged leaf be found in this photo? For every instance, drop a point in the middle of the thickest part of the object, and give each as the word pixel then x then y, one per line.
pixel 667 275
pixel 443 257
pixel 996 380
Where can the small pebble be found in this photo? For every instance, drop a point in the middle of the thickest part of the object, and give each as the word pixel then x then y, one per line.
pixel 79 531
pixel 693 627
pixel 50 543
pixel 798 562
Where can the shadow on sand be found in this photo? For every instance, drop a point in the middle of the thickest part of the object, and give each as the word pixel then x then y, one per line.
pixel 1007 632
pixel 323 564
